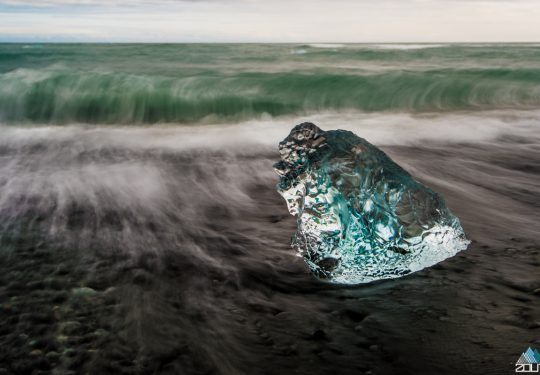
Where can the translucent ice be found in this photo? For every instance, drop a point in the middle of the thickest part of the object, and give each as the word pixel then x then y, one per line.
pixel 361 217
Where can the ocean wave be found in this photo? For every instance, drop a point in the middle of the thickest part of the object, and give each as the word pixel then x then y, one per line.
pixel 62 96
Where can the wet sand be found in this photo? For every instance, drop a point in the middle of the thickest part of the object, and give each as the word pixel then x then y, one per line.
pixel 126 260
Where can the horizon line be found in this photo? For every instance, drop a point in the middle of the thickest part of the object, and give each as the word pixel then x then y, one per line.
pixel 254 42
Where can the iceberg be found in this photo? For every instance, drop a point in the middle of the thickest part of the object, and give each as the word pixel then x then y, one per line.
pixel 361 217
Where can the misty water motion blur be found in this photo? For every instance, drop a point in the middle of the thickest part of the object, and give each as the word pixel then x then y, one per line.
pixel 145 84
pixel 141 233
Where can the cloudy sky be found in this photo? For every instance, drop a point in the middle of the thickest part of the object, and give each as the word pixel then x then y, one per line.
pixel 270 20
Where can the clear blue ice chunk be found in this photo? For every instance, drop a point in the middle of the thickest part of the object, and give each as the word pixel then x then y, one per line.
pixel 361 217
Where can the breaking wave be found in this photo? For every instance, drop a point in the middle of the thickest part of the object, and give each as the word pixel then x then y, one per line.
pixel 59 96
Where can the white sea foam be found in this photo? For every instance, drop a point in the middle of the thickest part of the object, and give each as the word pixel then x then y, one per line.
pixel 300 51
pixel 405 46
pixel 326 45
pixel 378 128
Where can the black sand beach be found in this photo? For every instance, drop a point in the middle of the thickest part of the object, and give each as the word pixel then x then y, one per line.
pixel 124 257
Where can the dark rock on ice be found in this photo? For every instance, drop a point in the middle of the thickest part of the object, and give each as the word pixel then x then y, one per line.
pixel 361 217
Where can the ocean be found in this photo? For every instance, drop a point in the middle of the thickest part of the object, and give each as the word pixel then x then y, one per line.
pixel 194 83
pixel 141 231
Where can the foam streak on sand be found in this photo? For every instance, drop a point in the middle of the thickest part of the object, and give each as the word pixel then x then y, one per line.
pixel 184 244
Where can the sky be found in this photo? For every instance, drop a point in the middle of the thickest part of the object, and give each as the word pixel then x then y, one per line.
pixel 286 21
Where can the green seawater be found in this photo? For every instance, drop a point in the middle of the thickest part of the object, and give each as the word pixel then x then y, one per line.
pixel 194 83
